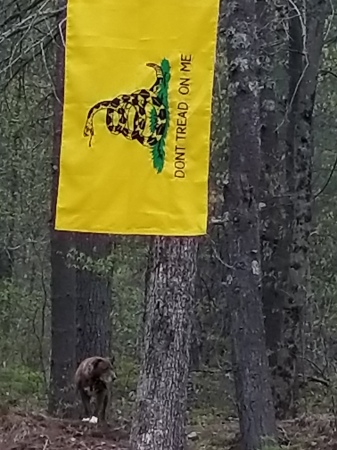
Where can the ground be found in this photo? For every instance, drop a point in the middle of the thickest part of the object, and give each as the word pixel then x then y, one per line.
pixel 36 431
pixel 23 431
pixel 316 432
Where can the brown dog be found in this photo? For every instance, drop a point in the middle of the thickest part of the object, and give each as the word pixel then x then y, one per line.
pixel 93 378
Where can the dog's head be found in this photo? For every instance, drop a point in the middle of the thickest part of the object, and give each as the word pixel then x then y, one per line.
pixel 103 369
pixel 94 368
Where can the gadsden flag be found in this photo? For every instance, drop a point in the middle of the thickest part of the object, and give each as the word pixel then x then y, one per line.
pixel 136 120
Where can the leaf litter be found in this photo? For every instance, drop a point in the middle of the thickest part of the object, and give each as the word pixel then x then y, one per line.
pixel 21 430
pixel 33 431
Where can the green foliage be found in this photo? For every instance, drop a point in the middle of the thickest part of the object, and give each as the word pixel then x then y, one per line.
pixel 124 388
pixel 158 151
pixel 20 386
pixel 99 266
pixel 128 295
pixel 322 330
pixel 22 324
pixel 153 120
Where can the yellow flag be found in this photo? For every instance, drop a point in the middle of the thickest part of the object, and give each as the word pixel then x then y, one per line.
pixel 136 122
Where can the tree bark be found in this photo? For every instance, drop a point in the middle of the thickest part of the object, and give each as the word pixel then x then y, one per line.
pixel 63 335
pixel 6 264
pixel 274 253
pixel 306 28
pixel 159 423
pixel 93 292
pixel 250 363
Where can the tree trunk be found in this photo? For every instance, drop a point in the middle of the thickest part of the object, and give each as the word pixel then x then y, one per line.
pixel 6 263
pixel 250 363
pixel 93 293
pixel 274 253
pixel 159 423
pixel 305 48
pixel 63 307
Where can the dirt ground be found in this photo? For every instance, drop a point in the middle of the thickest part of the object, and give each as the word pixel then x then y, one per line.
pixel 22 431
pixel 36 431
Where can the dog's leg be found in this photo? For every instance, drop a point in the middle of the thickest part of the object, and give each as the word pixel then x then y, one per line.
pixel 86 405
pixel 104 406
pixel 101 395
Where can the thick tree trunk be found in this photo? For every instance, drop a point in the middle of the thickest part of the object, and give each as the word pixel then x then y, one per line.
pixel 159 423
pixel 93 294
pixel 305 48
pixel 63 306
pixel 250 362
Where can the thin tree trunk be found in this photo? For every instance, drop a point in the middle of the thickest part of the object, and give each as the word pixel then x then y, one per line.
pixel 251 371
pixel 93 292
pixel 6 264
pixel 273 234
pixel 159 422
pixel 306 29
pixel 63 306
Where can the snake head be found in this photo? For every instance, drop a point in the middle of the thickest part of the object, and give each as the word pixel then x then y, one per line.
pixel 153 65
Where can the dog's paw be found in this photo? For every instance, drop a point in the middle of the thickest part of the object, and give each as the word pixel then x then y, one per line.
pixel 86 419
pixel 93 419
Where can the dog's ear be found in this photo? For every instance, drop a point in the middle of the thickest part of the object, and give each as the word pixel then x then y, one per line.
pixel 97 362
